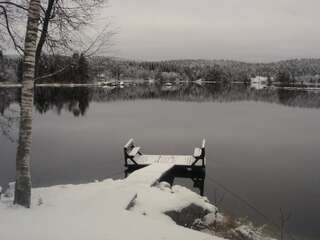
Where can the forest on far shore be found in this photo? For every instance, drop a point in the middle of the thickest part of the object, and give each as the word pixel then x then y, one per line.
pixel 81 69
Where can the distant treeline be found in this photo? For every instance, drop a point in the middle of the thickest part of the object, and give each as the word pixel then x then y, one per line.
pixel 79 69
pixel 209 70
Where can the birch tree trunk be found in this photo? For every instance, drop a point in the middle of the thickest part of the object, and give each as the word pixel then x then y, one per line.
pixel 23 175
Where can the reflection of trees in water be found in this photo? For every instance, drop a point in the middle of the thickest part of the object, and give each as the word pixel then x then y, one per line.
pixel 8 96
pixel 210 92
pixel 299 98
pixel 9 120
pixel 74 100
pixel 142 91
pixel 9 117
pixel 240 92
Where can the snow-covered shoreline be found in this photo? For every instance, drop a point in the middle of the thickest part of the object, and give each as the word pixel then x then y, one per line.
pixel 99 211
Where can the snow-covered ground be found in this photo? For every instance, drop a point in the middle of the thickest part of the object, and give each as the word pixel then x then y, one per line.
pixel 97 211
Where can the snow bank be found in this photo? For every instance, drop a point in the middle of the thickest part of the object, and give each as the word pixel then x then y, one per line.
pixel 154 202
pixel 97 211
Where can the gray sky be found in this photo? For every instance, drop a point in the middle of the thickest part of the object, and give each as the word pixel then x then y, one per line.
pixel 249 30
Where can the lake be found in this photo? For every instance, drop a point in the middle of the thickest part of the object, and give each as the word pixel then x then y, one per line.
pixel 263 145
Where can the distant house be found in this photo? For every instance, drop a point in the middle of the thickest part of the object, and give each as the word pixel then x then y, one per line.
pixel 259 82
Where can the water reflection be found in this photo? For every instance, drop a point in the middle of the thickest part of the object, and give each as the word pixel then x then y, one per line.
pixel 8 96
pixel 74 100
pixel 77 99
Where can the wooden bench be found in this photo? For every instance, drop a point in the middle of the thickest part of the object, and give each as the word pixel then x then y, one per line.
pixel 200 154
pixel 130 151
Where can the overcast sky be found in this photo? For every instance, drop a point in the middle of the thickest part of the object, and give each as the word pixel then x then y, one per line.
pixel 249 30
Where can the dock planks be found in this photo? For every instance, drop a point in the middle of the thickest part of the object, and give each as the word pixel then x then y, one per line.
pixel 178 160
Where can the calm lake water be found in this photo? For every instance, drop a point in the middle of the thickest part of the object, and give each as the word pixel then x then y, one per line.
pixel 262 145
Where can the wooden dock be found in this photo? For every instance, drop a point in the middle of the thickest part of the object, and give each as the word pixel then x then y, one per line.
pixel 145 169
pixel 134 157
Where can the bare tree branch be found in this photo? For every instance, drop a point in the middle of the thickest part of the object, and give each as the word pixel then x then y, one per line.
pixel 13 4
pixel 16 45
pixel 102 40
pixel 52 74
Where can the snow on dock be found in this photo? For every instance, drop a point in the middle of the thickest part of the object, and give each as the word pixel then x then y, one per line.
pixel 149 175
pixel 181 160
pixel 149 169
pixel 135 158
pixel 146 177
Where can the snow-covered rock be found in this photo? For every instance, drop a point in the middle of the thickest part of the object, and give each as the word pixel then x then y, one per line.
pixel 212 218
pixel 155 203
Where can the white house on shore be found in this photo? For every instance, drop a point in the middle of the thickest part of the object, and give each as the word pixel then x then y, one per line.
pixel 259 82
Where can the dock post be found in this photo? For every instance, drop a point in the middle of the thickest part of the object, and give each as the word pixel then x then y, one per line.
pixel 125 157
pixel 203 152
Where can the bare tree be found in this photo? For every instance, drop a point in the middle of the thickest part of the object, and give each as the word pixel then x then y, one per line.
pixel 23 175
pixel 10 13
pixel 62 25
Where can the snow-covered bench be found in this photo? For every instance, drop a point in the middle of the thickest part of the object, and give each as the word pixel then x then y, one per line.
pixel 200 153
pixel 131 151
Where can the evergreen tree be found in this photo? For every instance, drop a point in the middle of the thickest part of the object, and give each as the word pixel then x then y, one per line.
pixel 284 78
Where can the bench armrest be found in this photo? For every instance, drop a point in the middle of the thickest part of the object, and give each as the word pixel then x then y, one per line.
pixel 130 142
pixel 203 143
pixel 197 152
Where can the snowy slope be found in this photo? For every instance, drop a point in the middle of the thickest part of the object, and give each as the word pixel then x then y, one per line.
pixel 96 211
